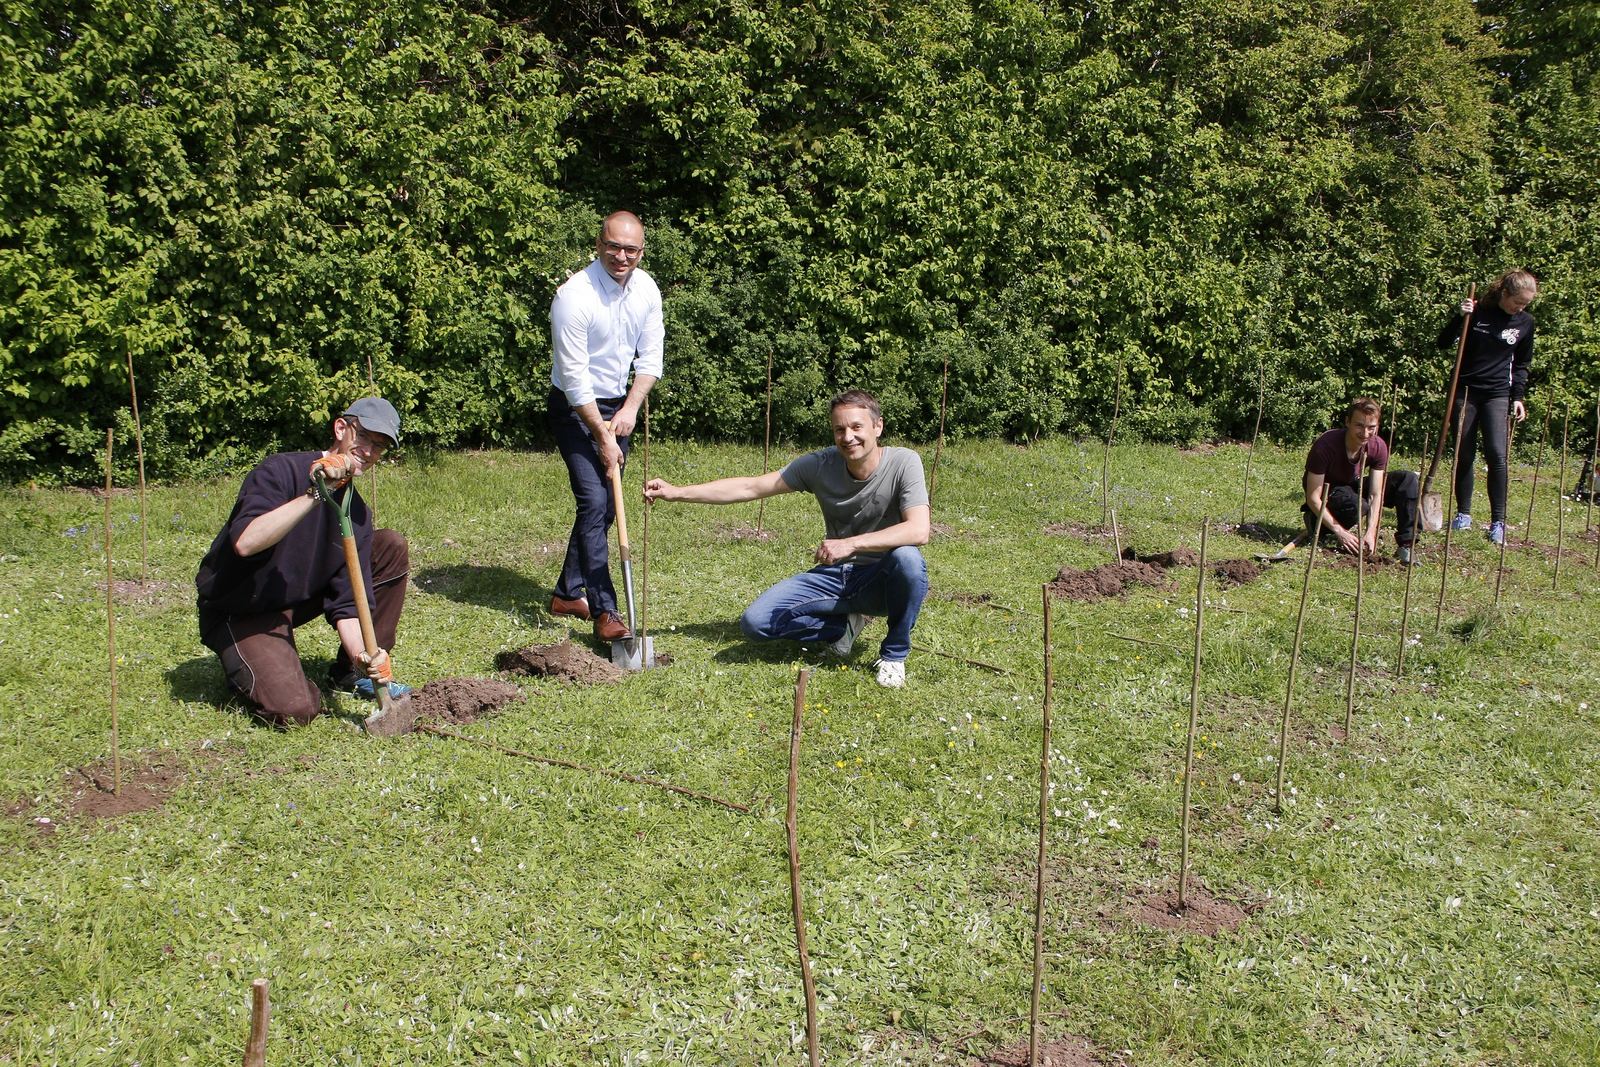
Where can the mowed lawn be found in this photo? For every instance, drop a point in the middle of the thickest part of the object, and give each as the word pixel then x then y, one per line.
pixel 1429 894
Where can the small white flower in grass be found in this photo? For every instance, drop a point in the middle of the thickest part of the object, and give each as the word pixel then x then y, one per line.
pixel 1452 903
pixel 1114 824
pixel 1237 777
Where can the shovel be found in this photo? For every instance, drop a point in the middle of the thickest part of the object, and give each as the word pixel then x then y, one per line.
pixel 633 653
pixel 1432 501
pixel 395 715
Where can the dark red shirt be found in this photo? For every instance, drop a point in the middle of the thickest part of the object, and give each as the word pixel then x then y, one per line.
pixel 307 565
pixel 1329 458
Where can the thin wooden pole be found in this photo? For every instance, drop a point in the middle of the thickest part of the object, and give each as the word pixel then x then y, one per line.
pixel 372 382
pixel 791 828
pixel 1255 435
pixel 255 1050
pixel 111 633
pixel 1294 657
pixel 644 535
pixel 766 449
pixel 1594 457
pixel 1105 467
pixel 1533 494
pixel 1044 816
pixel 1561 491
pixel 1500 573
pixel 1194 717
pixel 1116 535
pixel 944 391
pixel 144 517
pixel 1455 465
pixel 1394 427
pixel 1411 567
pixel 1362 518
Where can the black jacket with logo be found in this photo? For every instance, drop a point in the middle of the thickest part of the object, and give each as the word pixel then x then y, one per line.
pixel 1499 351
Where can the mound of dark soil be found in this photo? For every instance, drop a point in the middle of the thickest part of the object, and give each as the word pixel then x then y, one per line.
pixel 1204 914
pixel 1178 557
pixel 91 789
pixel 1237 571
pixel 1108 579
pixel 566 660
pixel 459 701
pixel 1062 1052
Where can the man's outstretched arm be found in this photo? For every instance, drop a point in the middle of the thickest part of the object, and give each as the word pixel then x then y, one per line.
pixel 721 491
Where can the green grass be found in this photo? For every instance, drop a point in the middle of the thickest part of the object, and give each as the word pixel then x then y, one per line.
pixel 1429 894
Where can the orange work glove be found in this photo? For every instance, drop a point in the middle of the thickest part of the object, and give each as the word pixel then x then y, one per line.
pixel 335 471
pixel 377 666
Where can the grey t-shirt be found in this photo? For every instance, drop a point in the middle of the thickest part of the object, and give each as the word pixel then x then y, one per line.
pixel 851 507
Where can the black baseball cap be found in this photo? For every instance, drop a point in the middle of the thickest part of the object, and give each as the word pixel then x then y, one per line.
pixel 377 415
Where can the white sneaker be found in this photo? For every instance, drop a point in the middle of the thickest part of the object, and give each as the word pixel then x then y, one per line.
pixel 892 675
pixel 852 630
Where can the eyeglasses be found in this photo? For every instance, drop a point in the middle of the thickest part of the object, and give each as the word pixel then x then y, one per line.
pixel 631 251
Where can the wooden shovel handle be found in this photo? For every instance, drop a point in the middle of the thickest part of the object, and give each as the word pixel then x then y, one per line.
pixel 358 585
pixel 622 512
pixel 1455 379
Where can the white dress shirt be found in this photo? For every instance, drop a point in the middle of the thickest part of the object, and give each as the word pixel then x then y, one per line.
pixel 598 328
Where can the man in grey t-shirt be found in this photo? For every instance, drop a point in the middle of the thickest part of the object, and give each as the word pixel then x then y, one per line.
pixel 875 506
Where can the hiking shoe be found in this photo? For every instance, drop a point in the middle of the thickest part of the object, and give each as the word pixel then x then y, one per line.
pixel 1497 532
pixel 892 675
pixel 852 630
pixel 1407 555
pixel 1461 522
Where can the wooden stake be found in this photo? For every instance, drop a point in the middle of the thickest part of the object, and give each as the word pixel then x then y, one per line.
pixel 1533 494
pixel 1500 574
pixel 766 449
pixel 1362 518
pixel 1116 535
pixel 1405 612
pixel 255 1050
pixel 944 390
pixel 111 634
pixel 1450 519
pixel 1294 657
pixel 1594 457
pixel 1194 717
pixel 1261 406
pixel 373 473
pixel 1394 426
pixel 1044 816
pixel 644 533
pixel 1105 467
pixel 144 518
pixel 1561 495
pixel 791 827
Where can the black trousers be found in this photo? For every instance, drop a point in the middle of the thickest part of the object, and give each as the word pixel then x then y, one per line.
pixel 1485 418
pixel 1400 492
pixel 586 571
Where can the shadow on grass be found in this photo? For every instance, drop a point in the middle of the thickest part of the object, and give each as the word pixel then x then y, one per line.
pixel 1273 533
pixel 200 680
pixel 500 588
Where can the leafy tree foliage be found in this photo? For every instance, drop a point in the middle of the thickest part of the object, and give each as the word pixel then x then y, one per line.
pixel 254 200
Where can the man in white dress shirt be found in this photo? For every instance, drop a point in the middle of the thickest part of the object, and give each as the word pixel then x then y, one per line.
pixel 603 320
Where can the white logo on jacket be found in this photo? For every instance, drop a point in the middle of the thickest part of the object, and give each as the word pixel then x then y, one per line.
pixel 1510 336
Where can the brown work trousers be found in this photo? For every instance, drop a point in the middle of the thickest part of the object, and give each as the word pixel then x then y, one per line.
pixel 259 655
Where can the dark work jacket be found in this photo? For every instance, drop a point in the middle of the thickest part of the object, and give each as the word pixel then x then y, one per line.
pixel 1499 351
pixel 307 565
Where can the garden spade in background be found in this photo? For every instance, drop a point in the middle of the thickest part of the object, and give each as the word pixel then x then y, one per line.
pixel 395 715
pixel 1432 502
pixel 633 652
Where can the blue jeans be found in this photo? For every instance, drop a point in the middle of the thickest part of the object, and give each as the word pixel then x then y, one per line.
pixel 813 606
pixel 586 571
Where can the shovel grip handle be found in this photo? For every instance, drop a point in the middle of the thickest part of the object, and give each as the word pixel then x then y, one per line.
pixel 358 586
pixel 622 513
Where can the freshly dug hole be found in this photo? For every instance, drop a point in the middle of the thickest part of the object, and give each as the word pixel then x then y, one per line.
pixel 1108 579
pixel 566 660
pixel 1237 571
pixel 1181 556
pixel 1204 914
pixel 460 701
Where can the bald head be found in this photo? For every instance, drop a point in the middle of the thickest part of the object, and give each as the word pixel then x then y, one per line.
pixel 620 245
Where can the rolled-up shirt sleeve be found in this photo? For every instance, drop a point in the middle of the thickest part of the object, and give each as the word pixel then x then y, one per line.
pixel 569 343
pixel 649 358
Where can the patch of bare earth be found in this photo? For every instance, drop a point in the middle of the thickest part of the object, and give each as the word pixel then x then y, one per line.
pixel 1081 530
pixel 461 701
pixel 1106 580
pixel 1061 1052
pixel 150 592
pixel 742 531
pixel 148 779
pixel 566 660
pixel 1182 556
pixel 1237 571
pixel 1201 914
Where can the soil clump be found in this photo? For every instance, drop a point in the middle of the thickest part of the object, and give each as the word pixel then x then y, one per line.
pixel 1062 1052
pixel 1182 556
pixel 461 701
pixel 566 660
pixel 1205 915
pixel 1108 579
pixel 1237 571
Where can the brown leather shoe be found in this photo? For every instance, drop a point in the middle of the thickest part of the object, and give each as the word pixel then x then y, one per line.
pixel 610 627
pixel 578 609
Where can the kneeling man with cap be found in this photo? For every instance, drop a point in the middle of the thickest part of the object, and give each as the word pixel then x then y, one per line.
pixel 875 505
pixel 279 563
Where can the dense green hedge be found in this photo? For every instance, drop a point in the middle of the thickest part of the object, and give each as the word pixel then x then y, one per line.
pixel 254 200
